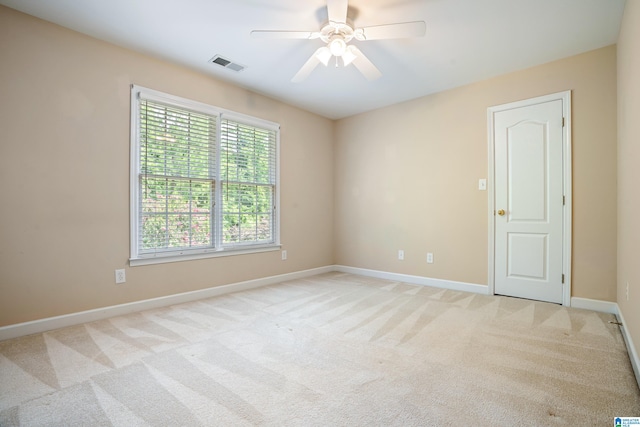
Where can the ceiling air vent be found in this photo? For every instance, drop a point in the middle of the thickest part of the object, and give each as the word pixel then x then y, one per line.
pixel 226 63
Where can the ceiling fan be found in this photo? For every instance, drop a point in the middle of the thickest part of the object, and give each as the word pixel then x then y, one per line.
pixel 337 34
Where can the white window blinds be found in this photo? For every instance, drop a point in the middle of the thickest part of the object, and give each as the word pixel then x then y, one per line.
pixel 248 177
pixel 205 181
pixel 177 177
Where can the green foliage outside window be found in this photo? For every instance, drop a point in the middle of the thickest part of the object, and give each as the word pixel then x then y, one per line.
pixel 247 183
pixel 178 174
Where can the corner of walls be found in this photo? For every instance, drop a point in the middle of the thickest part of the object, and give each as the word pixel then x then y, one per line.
pixel 334 184
pixel 628 175
pixel 631 348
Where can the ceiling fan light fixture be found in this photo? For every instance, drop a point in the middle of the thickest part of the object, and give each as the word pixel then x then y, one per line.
pixel 323 55
pixel 348 56
pixel 337 46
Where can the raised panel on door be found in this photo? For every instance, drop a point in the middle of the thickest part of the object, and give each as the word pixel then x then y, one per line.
pixel 527 191
pixel 527 256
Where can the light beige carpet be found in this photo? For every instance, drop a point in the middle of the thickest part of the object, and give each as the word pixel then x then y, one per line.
pixel 334 349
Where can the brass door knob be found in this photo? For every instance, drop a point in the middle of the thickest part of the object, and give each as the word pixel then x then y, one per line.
pixel 501 212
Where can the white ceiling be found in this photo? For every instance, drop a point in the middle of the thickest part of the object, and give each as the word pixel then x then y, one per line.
pixel 466 41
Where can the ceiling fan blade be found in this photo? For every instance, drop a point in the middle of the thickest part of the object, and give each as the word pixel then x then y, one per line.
pixel 392 31
pixel 274 34
pixel 337 10
pixel 363 64
pixel 317 58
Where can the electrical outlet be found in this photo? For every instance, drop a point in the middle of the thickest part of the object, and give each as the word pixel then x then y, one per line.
pixel 120 276
pixel 284 255
pixel 429 258
pixel 401 255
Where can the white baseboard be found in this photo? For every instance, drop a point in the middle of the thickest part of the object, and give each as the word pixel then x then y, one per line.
pixel 47 324
pixel 416 280
pixel 612 308
pixel 50 323
pixel 594 305
pixel 43 325
pixel 631 348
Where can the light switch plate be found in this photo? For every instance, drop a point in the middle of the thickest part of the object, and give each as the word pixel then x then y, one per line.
pixel 482 184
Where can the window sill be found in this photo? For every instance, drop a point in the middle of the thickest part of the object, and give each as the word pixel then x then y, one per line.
pixel 161 258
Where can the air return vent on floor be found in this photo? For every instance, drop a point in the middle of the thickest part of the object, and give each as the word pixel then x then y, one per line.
pixel 226 63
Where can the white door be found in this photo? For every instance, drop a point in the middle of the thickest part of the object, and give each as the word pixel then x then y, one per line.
pixel 529 201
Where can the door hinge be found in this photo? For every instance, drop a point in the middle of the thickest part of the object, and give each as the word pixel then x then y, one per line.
pixel 563 122
pixel 564 200
pixel 563 278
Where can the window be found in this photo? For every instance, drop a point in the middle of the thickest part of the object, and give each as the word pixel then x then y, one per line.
pixel 203 180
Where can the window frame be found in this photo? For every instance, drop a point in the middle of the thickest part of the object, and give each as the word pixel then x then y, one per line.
pixel 217 249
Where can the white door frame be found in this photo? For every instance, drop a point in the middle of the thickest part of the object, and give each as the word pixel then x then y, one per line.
pixel 566 166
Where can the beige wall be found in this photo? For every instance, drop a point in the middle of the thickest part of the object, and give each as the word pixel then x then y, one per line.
pixel 629 170
pixel 64 175
pixel 407 176
pixel 403 177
